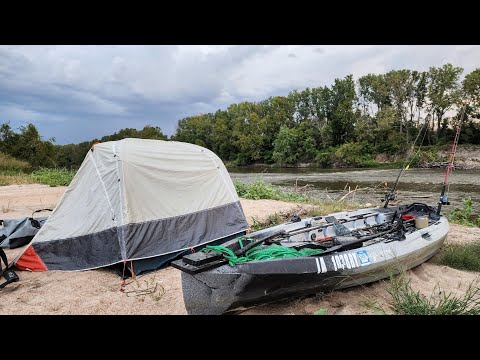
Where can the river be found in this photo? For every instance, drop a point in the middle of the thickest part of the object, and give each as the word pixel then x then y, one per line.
pixel 419 185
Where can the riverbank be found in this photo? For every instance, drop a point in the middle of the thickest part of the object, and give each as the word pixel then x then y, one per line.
pixel 98 291
pixel 467 158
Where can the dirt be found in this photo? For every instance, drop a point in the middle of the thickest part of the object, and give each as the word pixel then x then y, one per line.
pixel 159 292
pixel 466 157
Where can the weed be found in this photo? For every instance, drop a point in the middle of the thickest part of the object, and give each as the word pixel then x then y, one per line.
pixel 465 216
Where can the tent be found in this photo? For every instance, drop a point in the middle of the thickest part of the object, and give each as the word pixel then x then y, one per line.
pixel 138 202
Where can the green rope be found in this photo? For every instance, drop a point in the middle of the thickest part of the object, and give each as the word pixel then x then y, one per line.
pixel 262 253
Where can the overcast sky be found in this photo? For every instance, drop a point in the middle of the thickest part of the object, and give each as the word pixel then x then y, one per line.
pixel 77 93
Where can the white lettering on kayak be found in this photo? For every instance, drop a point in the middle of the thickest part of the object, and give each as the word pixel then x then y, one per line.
pixel 318 266
pixel 352 260
pixel 324 268
pixel 348 261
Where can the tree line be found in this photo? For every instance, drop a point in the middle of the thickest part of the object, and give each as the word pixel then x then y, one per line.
pixel 348 122
pixel 378 113
pixel 28 145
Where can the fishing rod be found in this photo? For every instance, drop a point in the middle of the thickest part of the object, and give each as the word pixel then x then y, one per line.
pixel 444 198
pixel 391 195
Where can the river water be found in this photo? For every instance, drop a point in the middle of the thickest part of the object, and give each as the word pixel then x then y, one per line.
pixel 416 185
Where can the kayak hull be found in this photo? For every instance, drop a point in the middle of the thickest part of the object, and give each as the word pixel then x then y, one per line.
pixel 232 288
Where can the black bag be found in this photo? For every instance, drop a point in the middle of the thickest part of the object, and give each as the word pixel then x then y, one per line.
pixel 8 274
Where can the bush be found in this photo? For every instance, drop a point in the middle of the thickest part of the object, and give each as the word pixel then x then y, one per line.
pixel 354 154
pixel 325 158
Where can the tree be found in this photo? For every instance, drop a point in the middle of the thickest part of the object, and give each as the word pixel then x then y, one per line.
pixel 342 116
pixel 195 130
pixel 471 89
pixel 286 146
pixel 443 89
pixel 420 93
pixel 397 81
pixel 375 89
pixel 8 139
pixel 30 146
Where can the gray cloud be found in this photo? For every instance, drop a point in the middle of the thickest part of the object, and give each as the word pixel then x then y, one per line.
pixel 76 93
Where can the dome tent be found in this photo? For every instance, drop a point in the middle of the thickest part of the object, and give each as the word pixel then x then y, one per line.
pixel 145 201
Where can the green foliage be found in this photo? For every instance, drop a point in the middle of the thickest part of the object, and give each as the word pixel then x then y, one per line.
pixel 9 164
pixel 27 145
pixel 53 177
pixel 427 155
pixel 460 256
pixel 286 146
pixel 259 190
pixel 406 301
pixel 148 132
pixel 354 154
pixel 465 216
pixel 443 89
pixel 325 158
pixel 471 89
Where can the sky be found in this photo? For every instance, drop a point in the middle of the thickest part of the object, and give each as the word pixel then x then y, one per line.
pixel 77 93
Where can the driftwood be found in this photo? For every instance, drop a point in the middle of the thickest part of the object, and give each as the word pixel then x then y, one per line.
pixel 438 164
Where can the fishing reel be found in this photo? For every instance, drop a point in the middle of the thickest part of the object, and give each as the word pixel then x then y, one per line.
pixel 389 196
pixel 444 200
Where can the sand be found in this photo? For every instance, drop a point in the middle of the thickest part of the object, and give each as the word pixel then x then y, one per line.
pixel 159 292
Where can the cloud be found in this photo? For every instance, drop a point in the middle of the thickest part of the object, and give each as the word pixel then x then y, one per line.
pixel 76 93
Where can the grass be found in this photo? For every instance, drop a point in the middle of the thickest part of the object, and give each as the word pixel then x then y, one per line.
pixel 15 178
pixel 406 301
pixel 460 256
pixel 14 172
pixel 259 190
pixel 53 177
pixel 10 165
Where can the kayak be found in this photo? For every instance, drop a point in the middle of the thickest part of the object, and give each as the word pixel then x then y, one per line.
pixel 309 256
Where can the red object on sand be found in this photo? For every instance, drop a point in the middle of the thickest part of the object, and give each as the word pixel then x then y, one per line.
pixel 30 261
